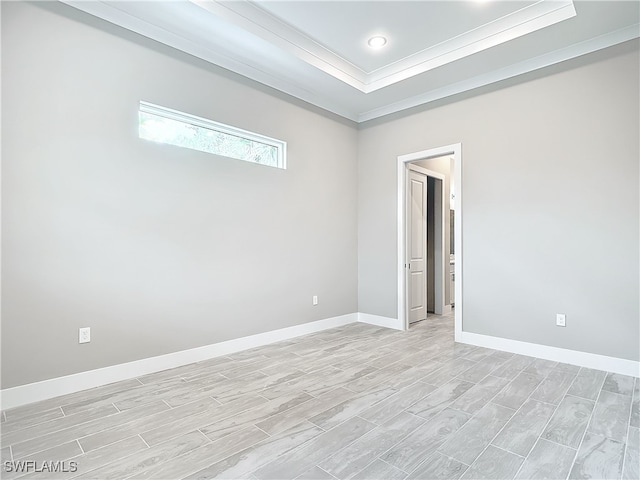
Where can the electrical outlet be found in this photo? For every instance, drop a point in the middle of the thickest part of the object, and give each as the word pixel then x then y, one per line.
pixel 84 335
pixel 315 299
pixel 561 320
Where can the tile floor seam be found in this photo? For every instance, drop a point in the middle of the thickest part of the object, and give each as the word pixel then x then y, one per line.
pixel 268 436
pixel 61 430
pixel 101 446
pixel 37 423
pixel 467 467
pixel 377 426
pixel 617 393
pixel 143 440
pixel 626 437
pixel 624 452
pixel 311 394
pixel 506 450
pixel 374 460
pixel 384 461
pixel 320 468
pixel 562 445
pixel 552 404
pixel 303 444
pixel 92 469
pixel 587 427
pixel 576 396
pixel 515 412
pixel 199 430
pixel 541 430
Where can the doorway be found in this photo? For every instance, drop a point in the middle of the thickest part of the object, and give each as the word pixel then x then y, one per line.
pixel 404 306
pixel 425 243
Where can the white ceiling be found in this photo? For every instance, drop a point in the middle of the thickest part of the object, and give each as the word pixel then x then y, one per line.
pixel 345 27
pixel 317 50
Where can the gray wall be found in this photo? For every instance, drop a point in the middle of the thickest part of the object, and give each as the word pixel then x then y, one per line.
pixel 550 204
pixel 156 248
pixel 160 249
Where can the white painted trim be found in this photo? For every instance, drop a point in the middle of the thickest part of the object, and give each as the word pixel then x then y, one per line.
pixel 208 52
pixel 252 18
pixel 457 233
pixel 573 357
pixel 33 392
pixel 510 71
pixel 278 79
pixel 380 321
pixel 262 23
pixel 521 22
pixel 455 151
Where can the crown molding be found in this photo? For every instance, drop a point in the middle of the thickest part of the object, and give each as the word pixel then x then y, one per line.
pixel 604 41
pixel 250 17
pixel 111 13
pixel 257 21
pixel 526 20
pixel 281 78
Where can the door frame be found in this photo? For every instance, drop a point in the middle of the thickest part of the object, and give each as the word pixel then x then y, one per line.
pixel 455 151
pixel 439 259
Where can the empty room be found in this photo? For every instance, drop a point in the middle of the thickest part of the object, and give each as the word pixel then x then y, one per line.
pixel 306 239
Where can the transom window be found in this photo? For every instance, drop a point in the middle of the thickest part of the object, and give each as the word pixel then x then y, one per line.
pixel 164 125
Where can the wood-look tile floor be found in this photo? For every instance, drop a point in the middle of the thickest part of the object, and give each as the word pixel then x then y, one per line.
pixel 356 402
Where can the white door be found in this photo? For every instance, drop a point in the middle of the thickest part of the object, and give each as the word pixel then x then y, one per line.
pixel 416 246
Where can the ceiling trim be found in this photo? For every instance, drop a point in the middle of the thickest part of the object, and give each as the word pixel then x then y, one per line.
pixel 271 78
pixel 527 20
pixel 252 18
pixel 619 36
pixel 112 14
pixel 249 17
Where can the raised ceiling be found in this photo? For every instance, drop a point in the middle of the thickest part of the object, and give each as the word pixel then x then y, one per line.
pixel 317 50
pixel 342 28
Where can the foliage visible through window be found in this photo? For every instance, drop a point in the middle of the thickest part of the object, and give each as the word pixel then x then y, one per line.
pixel 164 125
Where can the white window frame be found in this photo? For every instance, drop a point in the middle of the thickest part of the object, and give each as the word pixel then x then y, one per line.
pixel 280 145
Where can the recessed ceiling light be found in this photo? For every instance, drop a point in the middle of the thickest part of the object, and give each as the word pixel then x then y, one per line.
pixel 377 42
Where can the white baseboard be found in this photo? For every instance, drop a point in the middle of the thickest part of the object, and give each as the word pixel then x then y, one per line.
pixel 573 357
pixel 34 392
pixel 380 321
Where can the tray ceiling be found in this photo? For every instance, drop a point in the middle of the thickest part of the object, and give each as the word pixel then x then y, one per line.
pixel 317 50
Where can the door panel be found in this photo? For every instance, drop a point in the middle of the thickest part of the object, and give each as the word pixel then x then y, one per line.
pixel 416 239
pixel 417 287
